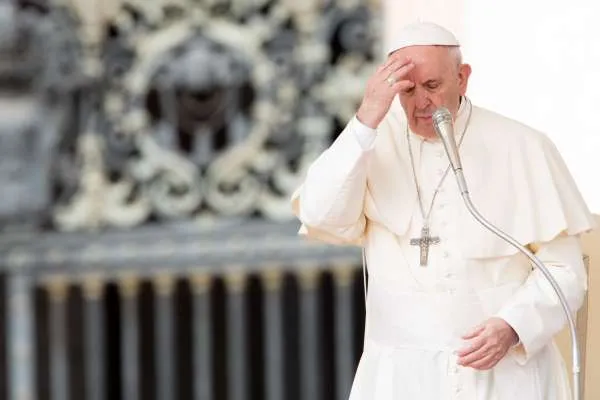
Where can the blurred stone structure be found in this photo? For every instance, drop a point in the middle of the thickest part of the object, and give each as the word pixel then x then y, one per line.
pixel 148 150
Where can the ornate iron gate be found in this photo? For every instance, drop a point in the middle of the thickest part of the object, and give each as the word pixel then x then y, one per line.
pixel 148 150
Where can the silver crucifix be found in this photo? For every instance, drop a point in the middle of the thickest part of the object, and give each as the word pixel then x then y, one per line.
pixel 424 242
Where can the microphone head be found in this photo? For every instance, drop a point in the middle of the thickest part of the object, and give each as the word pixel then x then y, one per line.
pixel 443 124
pixel 441 116
pixel 444 127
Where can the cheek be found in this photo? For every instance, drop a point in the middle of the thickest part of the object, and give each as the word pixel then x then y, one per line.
pixel 438 98
pixel 407 103
pixel 448 97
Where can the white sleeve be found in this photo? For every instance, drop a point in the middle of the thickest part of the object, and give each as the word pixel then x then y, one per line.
pixel 364 134
pixel 332 195
pixel 535 311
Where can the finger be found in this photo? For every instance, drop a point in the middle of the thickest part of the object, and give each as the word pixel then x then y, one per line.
pixel 388 63
pixel 475 345
pixel 401 68
pixel 398 77
pixel 396 66
pixel 475 356
pixel 399 72
pixel 476 331
pixel 485 363
pixel 403 85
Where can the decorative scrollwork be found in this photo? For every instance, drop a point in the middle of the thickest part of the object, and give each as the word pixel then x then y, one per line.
pixel 198 109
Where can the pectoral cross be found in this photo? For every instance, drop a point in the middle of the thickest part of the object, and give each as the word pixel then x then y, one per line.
pixel 424 242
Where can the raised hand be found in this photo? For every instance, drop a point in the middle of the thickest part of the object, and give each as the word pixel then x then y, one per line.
pixel 384 84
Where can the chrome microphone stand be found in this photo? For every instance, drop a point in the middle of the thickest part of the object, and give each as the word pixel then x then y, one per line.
pixel 442 121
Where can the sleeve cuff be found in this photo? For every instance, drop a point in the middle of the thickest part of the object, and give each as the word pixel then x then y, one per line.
pixel 364 134
pixel 518 351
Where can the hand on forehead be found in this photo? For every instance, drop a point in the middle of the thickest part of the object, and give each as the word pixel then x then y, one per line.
pixel 426 59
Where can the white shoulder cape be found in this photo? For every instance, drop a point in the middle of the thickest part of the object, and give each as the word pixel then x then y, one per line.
pixel 515 175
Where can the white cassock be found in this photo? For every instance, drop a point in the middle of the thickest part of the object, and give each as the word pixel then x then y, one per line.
pixel 361 192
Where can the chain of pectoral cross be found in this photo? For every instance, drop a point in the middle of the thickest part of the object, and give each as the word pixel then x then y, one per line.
pixel 426 240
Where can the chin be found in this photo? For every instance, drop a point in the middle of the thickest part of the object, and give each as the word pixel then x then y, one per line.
pixel 424 130
pixel 422 125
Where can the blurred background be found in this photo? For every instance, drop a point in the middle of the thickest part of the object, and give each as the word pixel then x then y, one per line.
pixel 148 151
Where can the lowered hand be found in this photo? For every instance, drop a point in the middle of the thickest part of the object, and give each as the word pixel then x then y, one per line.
pixel 489 343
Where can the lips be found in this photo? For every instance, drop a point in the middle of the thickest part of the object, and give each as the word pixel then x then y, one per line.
pixel 426 120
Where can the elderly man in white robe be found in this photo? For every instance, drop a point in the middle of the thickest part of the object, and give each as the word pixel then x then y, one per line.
pixel 453 312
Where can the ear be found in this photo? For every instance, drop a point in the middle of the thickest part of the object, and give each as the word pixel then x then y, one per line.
pixel 464 72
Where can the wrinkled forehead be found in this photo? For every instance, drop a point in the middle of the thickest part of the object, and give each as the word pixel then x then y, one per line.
pixel 428 60
pixel 423 54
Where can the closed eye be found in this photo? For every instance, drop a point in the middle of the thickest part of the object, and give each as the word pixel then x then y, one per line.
pixel 432 84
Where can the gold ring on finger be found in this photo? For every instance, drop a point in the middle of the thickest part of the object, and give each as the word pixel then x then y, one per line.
pixel 391 80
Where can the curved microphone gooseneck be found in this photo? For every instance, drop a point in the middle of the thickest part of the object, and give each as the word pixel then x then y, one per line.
pixel 442 122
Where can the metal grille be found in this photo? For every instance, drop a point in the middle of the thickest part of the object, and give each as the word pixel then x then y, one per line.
pixel 278 334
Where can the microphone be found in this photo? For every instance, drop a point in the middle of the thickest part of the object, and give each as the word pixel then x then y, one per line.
pixel 444 127
pixel 442 122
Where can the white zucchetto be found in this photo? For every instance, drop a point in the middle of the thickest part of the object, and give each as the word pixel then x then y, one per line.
pixel 423 34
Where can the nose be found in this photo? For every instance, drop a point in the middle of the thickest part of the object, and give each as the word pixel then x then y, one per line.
pixel 422 99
